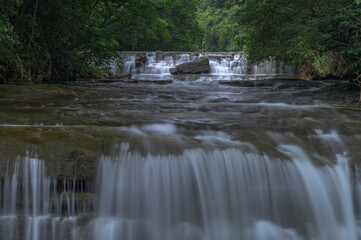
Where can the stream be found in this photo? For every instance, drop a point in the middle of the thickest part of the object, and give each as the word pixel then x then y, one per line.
pixel 198 157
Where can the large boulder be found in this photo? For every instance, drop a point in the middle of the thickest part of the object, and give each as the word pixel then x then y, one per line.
pixel 141 60
pixel 196 67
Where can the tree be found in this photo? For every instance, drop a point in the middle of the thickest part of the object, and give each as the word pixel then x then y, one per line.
pixel 43 40
pixel 221 28
pixel 55 40
pixel 9 60
pixel 181 28
pixel 323 35
pixel 141 25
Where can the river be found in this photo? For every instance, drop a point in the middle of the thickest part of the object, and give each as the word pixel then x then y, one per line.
pixel 184 158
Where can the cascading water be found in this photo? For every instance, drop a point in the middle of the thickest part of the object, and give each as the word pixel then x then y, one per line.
pixel 34 206
pixel 223 65
pixel 199 194
pixel 223 194
pixel 186 160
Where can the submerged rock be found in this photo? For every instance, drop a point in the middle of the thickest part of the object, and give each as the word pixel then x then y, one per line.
pixel 196 67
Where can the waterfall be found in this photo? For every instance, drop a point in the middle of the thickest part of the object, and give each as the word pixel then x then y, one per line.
pixel 201 194
pixel 222 194
pixel 223 65
pixel 34 206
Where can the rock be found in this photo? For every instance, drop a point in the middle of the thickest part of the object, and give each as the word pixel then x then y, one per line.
pixel 323 77
pixel 160 82
pixel 124 75
pixel 76 163
pixel 118 78
pixel 247 83
pixel 108 73
pixel 173 71
pixel 196 67
pixel 274 83
pixel 141 60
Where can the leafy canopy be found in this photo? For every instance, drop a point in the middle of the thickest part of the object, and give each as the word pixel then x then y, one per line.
pixel 322 34
pixel 42 40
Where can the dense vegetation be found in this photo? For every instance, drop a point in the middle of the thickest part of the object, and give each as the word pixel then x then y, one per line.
pixel 221 26
pixel 42 40
pixel 323 36
pixel 165 25
pixel 55 39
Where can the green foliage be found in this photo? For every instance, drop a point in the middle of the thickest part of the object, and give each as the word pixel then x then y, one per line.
pixel 43 40
pixel 139 25
pixel 323 33
pixel 183 26
pixel 173 26
pixel 55 40
pixel 8 39
pixel 221 28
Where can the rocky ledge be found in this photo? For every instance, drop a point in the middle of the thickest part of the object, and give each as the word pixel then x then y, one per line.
pixel 196 67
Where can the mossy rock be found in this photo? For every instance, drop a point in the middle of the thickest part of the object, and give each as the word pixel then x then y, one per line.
pixel 70 153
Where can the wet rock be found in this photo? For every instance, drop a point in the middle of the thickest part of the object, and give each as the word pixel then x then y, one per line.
pixel 108 73
pixel 196 67
pixel 173 71
pixel 119 78
pixel 141 60
pixel 159 82
pixel 273 83
pixel 323 77
pixel 123 76
pixel 248 83
pixel 77 163
pixel 63 162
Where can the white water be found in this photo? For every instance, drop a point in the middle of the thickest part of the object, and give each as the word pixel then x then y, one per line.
pixel 30 206
pixel 201 194
pixel 223 194
pixel 223 65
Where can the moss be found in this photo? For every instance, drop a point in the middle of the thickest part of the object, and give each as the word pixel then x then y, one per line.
pixel 7 90
pixel 73 136
pixel 27 92
pixel 12 88
pixel 70 152
pixel 205 62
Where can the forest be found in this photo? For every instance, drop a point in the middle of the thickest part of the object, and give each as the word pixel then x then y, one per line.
pixel 60 40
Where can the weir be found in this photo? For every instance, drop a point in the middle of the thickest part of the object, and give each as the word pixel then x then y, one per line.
pixel 224 66
pixel 186 160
